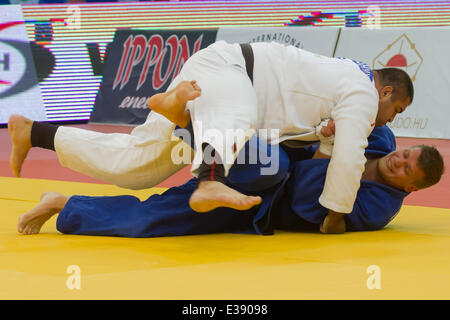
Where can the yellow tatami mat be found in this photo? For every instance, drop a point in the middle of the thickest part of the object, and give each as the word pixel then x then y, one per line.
pixel 408 260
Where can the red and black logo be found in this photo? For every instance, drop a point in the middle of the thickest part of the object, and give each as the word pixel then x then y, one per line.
pixel 22 63
pixel 165 57
pixel 141 63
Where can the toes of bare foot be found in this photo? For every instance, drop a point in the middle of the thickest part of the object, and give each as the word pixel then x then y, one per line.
pixel 248 202
pixel 251 201
pixel 32 221
pixel 187 90
pixel 212 194
pixel 197 92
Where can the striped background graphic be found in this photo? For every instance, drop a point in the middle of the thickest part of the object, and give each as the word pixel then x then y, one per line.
pixel 69 92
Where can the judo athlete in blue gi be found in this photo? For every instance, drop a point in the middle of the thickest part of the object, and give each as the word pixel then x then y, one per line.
pixel 289 197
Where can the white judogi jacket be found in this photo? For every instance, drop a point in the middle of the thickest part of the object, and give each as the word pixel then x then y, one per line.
pixel 296 89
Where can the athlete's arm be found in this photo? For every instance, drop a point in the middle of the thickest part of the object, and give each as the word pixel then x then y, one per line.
pixel 353 116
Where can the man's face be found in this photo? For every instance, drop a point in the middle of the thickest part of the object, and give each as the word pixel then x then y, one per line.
pixel 400 170
pixel 387 107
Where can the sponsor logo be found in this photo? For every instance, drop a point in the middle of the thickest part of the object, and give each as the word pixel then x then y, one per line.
pixel 401 53
pixel 16 71
pixel 152 53
pixel 139 64
pixel 130 102
pixel 280 37
pixel 408 123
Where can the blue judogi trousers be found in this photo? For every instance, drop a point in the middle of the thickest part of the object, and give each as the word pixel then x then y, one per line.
pixel 169 214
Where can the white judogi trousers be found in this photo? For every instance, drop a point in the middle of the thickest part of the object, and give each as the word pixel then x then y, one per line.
pixel 139 160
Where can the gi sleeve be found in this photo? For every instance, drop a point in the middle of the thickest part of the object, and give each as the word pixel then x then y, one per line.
pixel 375 206
pixel 354 117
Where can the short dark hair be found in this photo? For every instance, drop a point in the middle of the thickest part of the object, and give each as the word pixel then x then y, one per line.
pixel 399 80
pixel 431 163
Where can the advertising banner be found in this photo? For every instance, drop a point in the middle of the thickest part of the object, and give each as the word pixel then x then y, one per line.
pixel 140 64
pixel 19 90
pixel 424 54
pixel 317 40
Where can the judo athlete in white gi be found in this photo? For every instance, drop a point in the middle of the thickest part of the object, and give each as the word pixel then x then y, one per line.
pixel 293 91
pixel 290 198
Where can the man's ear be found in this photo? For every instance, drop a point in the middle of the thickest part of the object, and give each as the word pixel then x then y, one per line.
pixel 411 188
pixel 386 91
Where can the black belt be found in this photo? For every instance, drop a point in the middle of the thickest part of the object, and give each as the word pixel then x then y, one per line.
pixel 247 52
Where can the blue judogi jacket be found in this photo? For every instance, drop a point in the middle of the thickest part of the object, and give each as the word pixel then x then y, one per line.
pixel 290 200
pixel 375 206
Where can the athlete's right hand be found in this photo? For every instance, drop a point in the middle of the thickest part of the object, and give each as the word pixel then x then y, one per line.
pixel 325 132
pixel 328 130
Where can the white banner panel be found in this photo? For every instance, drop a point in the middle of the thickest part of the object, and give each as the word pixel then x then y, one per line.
pixel 318 40
pixel 424 54
pixel 19 89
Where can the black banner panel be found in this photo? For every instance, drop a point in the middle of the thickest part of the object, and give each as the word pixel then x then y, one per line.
pixel 141 64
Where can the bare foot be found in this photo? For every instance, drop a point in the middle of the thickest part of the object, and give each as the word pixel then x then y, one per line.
pixel 172 104
pixel 213 194
pixel 19 129
pixel 32 221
